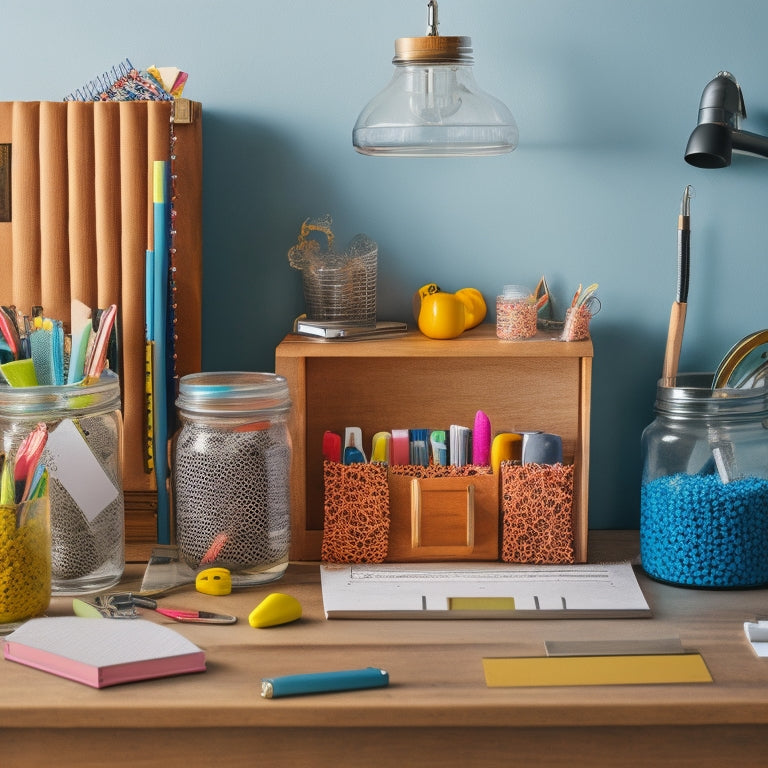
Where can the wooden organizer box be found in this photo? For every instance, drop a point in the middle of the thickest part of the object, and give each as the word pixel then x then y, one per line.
pixel 413 381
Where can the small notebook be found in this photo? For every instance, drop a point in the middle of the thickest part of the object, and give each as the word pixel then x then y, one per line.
pixel 103 652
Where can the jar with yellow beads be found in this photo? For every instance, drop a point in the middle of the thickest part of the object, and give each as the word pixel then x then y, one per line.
pixel 25 561
pixel 83 454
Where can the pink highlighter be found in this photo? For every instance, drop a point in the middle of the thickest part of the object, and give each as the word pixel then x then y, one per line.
pixel 481 440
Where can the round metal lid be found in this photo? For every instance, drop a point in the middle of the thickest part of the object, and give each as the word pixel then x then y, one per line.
pixel 433 49
pixel 233 392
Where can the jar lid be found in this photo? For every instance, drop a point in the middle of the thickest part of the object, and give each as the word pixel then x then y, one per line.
pixel 693 394
pixel 433 49
pixel 516 292
pixel 49 401
pixel 233 392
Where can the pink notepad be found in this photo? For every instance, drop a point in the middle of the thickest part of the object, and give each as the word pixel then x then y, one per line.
pixel 103 652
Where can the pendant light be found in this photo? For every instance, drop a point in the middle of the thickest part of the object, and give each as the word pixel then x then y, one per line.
pixel 433 106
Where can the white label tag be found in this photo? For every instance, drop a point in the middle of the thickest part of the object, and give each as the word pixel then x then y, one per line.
pixel 78 470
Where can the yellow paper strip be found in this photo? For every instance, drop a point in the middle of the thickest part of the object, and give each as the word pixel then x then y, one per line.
pixel 481 603
pixel 595 670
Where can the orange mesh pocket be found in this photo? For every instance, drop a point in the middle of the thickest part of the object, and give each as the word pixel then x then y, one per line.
pixel 537 513
pixel 356 525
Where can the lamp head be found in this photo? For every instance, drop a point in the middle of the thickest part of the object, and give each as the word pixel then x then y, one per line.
pixel 718 133
pixel 709 146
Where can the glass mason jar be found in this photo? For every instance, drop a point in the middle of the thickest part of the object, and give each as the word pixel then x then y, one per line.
pixel 83 455
pixel 230 474
pixel 516 313
pixel 704 495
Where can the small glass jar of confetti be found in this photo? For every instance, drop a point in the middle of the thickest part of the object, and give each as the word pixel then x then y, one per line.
pixel 515 314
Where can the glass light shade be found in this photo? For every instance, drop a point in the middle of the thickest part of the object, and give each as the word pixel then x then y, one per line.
pixel 433 106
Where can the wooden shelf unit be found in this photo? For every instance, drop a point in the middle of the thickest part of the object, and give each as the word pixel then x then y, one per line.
pixel 413 381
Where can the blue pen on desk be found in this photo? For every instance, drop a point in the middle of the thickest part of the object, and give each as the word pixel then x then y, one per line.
pixel 324 682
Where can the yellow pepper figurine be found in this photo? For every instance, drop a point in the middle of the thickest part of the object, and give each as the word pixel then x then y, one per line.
pixel 447 315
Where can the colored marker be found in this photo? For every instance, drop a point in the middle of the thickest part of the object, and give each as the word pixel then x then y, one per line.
pixel 324 682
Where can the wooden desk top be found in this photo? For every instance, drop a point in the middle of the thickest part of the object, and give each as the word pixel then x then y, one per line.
pixel 437 694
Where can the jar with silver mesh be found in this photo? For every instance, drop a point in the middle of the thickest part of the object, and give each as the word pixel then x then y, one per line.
pixel 83 457
pixel 231 472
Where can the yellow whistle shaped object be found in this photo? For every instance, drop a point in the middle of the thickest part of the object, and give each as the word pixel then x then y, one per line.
pixel 443 315
pixel 275 609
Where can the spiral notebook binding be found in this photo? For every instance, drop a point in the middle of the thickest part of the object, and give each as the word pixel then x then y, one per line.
pixel 123 82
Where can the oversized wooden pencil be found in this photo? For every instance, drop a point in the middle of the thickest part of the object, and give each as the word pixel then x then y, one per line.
pixel 680 305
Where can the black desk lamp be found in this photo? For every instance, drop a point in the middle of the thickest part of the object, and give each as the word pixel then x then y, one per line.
pixel 718 133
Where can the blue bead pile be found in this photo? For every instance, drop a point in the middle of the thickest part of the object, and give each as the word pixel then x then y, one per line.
pixel 697 531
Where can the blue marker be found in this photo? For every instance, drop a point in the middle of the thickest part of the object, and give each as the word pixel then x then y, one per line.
pixel 324 682
pixel 353 446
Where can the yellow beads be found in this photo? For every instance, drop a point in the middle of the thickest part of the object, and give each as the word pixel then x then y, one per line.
pixel 25 562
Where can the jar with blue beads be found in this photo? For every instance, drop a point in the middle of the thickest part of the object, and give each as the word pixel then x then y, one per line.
pixel 704 493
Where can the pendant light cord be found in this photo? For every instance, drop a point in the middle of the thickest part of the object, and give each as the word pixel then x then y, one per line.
pixel 432 21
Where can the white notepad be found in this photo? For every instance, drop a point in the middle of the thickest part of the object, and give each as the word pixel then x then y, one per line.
pixel 103 652
pixel 481 591
pixel 757 634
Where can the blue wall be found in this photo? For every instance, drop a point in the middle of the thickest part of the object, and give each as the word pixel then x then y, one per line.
pixel 605 94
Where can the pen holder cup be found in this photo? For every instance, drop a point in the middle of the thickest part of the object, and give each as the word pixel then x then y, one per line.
pixel 356 522
pixel 577 320
pixel 83 455
pixel 704 491
pixel 25 562
pixel 537 513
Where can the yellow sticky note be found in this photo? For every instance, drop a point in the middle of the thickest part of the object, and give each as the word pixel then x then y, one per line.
pixel 595 670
